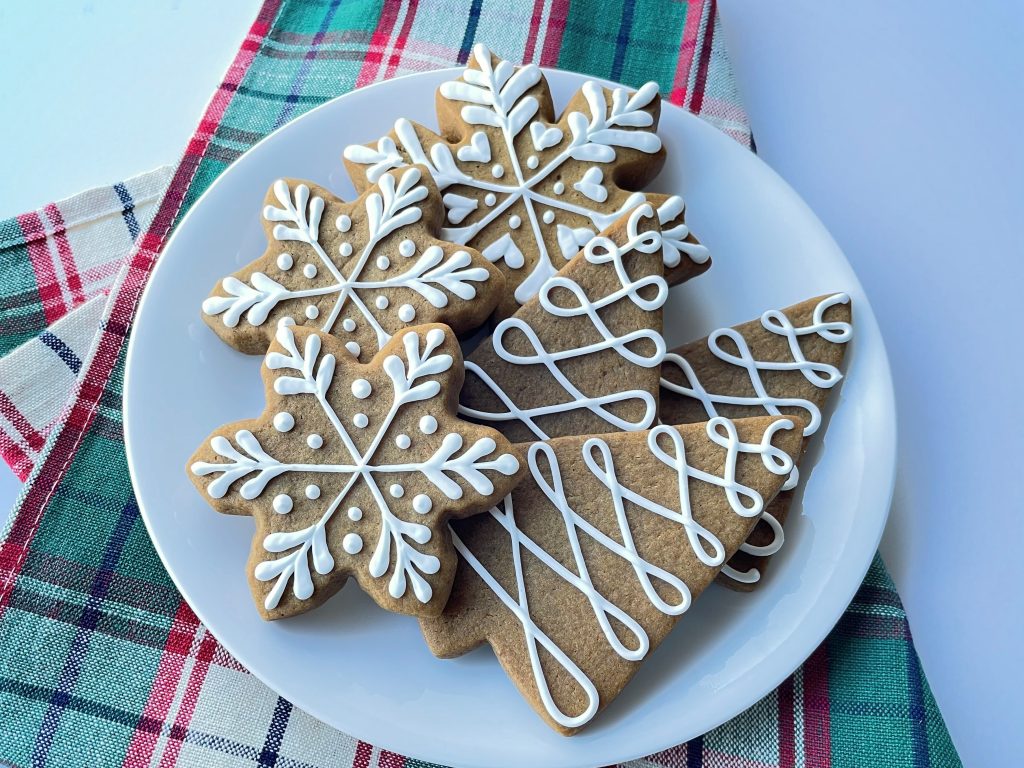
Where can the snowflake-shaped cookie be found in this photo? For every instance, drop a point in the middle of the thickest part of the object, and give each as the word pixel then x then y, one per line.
pixel 525 190
pixel 354 470
pixel 362 270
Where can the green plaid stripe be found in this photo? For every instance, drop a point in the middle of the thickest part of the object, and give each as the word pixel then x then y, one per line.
pixel 21 308
pixel 102 664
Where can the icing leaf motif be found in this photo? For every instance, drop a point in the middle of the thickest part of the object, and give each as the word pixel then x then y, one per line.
pixel 523 199
pixel 304 545
pixel 336 266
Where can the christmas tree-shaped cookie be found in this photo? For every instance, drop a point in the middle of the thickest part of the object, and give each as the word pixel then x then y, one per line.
pixel 361 271
pixel 354 470
pixel 528 190
pixel 583 356
pixel 585 567
pixel 785 362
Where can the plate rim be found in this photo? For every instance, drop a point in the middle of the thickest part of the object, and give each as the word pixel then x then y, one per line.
pixel 853 574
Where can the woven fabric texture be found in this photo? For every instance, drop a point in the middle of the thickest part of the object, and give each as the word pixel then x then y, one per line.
pixel 101 661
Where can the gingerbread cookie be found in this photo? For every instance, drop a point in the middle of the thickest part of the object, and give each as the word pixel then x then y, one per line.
pixel 362 270
pixel 581 572
pixel 582 357
pixel 528 191
pixel 786 362
pixel 354 470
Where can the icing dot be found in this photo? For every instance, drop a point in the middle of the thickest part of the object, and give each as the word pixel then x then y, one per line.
pixel 355 514
pixel 532 162
pixel 514 221
pixel 312 491
pixel 428 425
pixel 397 491
pixel 361 388
pixel 497 171
pixel 352 543
pixel 559 188
pixel 490 199
pixel 381 302
pixel 360 420
pixel 407 313
pixel 345 249
pixel 309 271
pixel 353 348
pixel 343 223
pixel 348 324
pixel 285 261
pixel 383 262
pixel 284 421
pixel 422 504
pixel 407 248
pixel 314 441
pixel 282 503
pixel 549 216
pixel 403 441
pixel 312 312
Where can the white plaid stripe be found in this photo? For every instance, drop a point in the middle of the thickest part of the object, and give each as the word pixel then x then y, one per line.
pixel 38 377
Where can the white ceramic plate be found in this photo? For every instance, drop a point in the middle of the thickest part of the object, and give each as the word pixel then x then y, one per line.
pixel 368 672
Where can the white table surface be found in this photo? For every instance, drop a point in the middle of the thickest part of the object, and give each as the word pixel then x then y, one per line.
pixel 898 123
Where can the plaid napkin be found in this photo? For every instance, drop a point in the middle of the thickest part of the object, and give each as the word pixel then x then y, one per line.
pixel 101 661
pixel 57 265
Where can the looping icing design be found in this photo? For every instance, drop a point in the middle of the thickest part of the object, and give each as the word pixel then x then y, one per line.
pixel 599 251
pixel 821 375
pixel 598 458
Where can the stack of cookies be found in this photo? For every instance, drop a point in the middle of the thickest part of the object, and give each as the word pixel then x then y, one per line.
pixel 557 484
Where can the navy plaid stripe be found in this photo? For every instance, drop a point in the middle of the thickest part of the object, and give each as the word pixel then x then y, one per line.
pixel 918 711
pixel 87 621
pixel 275 733
pixel 128 211
pixel 300 78
pixel 183 735
pixel 470 34
pixel 62 350
pixel 622 40
pixel 695 752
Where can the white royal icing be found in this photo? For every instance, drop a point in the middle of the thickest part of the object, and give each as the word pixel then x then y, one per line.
pixel 308 373
pixel 821 375
pixel 496 96
pixel 599 251
pixel 352 543
pixel 393 205
pixel 614 620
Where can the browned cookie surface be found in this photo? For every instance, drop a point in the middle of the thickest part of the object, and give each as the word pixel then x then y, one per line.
pixel 787 361
pixel 353 470
pixel 528 189
pixel 583 356
pixel 589 563
pixel 362 270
